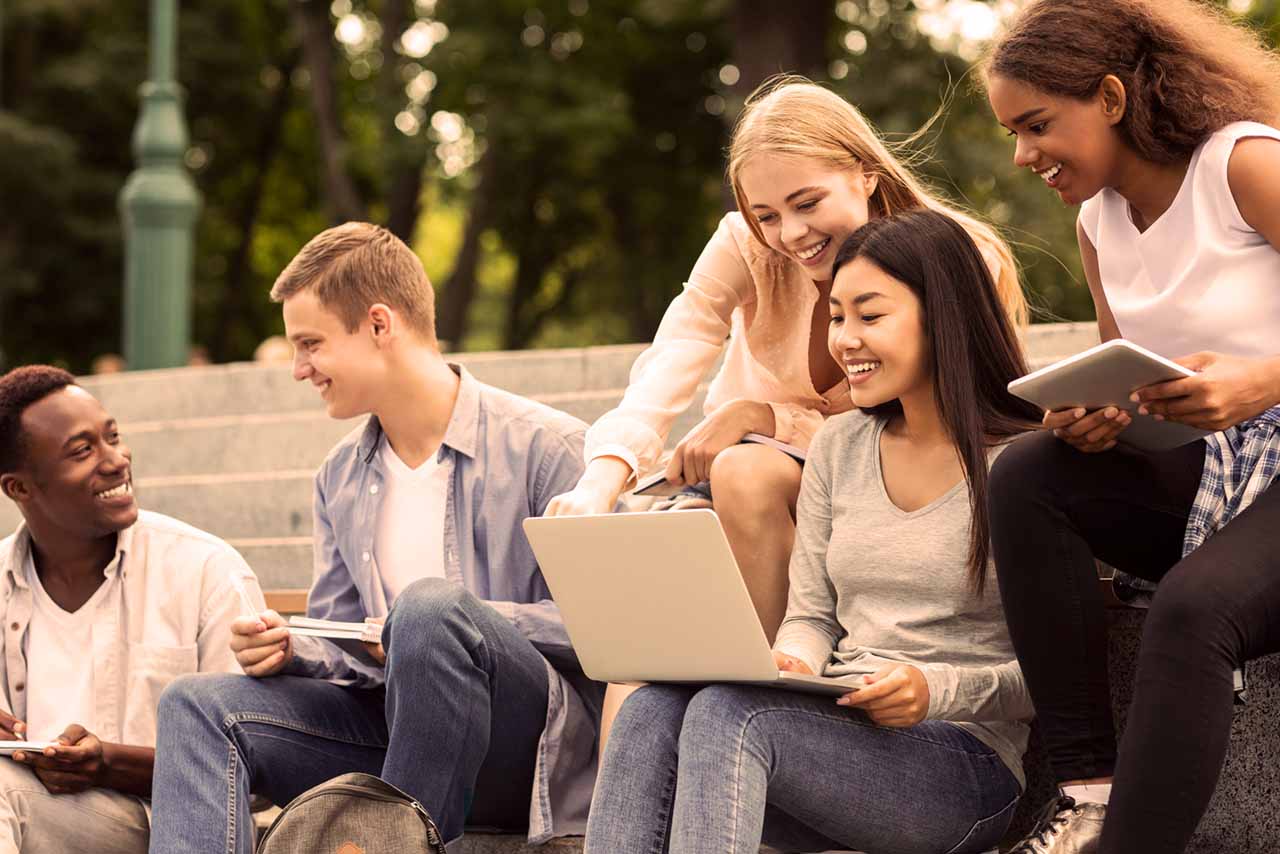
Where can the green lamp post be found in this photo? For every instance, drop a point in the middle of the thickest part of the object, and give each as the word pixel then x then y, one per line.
pixel 159 205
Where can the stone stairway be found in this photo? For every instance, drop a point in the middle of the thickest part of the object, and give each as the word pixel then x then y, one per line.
pixel 232 448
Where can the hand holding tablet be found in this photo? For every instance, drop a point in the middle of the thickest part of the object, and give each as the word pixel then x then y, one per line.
pixel 1223 391
pixel 1102 381
pixel 8 748
pixel 1089 432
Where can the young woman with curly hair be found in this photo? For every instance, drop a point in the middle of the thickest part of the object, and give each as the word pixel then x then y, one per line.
pixel 1159 116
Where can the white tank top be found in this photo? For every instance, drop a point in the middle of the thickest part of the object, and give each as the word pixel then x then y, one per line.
pixel 1199 278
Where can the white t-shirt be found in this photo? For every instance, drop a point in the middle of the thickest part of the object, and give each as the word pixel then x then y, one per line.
pixel 409 543
pixel 59 650
pixel 1200 277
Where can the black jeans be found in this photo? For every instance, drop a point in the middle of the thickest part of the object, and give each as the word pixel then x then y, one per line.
pixel 1053 511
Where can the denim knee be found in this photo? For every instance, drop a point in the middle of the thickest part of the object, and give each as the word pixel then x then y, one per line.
pixel 195 698
pixel 649 721
pixel 425 604
pixel 426 601
pixel 718 713
pixel 428 619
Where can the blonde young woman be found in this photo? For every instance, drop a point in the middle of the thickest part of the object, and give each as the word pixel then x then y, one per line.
pixel 807 171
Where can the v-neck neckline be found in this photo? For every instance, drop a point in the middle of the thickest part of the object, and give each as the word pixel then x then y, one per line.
pixel 1164 215
pixel 937 502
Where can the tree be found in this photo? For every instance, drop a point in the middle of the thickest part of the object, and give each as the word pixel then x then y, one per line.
pixel 558 165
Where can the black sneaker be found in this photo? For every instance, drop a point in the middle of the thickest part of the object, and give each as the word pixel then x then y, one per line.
pixel 1065 827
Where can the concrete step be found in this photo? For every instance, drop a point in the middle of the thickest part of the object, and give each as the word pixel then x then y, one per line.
pixel 247 388
pixel 262 442
pixel 232 448
pixel 247 506
pixel 284 440
pixel 233 506
pixel 281 563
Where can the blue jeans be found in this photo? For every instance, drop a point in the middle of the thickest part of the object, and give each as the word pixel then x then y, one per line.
pixel 457 727
pixel 719 770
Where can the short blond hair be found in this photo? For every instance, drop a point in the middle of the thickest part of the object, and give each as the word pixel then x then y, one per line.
pixel 790 115
pixel 355 265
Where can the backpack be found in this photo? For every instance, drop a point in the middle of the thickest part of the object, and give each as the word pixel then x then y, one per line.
pixel 353 814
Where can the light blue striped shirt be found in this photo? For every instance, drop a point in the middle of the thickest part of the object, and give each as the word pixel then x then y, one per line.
pixel 507 458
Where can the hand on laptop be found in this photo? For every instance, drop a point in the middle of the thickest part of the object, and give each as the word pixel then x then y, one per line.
pixel 1090 432
pixel 597 490
pixel 896 696
pixel 261 644
pixel 790 664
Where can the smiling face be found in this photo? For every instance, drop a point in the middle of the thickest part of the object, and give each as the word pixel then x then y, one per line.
pixel 1072 144
pixel 804 208
pixel 345 367
pixel 877 334
pixel 77 476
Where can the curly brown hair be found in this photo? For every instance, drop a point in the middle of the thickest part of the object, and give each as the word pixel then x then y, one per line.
pixel 1187 69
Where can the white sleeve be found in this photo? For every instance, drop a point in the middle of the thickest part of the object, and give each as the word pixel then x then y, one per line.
pixel 664 379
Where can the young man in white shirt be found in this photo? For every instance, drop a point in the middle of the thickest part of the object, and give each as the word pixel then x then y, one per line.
pixel 104 606
pixel 474 702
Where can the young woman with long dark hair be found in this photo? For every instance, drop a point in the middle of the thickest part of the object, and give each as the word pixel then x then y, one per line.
pixel 807 170
pixel 889 582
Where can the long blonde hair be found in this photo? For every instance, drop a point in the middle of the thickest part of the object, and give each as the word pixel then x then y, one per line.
pixel 791 115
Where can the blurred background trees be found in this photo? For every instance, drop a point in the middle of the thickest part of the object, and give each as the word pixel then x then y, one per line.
pixel 557 164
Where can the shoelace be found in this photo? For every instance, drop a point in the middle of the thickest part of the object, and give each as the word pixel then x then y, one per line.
pixel 1047 827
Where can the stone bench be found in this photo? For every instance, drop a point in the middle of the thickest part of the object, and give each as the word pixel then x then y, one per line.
pixel 1242 817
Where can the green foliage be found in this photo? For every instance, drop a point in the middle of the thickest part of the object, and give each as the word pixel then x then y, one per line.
pixel 576 145
pixel 900 82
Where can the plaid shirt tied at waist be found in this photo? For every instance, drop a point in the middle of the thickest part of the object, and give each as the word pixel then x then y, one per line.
pixel 1240 463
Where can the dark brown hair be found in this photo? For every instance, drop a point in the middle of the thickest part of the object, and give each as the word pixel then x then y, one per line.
pixel 1187 69
pixel 972 345
pixel 355 265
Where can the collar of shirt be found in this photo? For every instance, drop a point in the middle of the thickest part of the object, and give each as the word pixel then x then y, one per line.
pixel 20 560
pixel 462 433
pixel 169 615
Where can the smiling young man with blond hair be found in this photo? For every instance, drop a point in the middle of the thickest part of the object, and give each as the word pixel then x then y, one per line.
pixel 473 703
pixel 103 607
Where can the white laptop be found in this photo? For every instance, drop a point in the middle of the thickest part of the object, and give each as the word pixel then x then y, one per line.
pixel 657 597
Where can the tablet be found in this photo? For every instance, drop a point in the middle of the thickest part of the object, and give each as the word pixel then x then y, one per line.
pixel 310 627
pixel 8 748
pixel 1105 376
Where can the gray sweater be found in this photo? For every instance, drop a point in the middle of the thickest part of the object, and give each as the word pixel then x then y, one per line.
pixel 873 585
